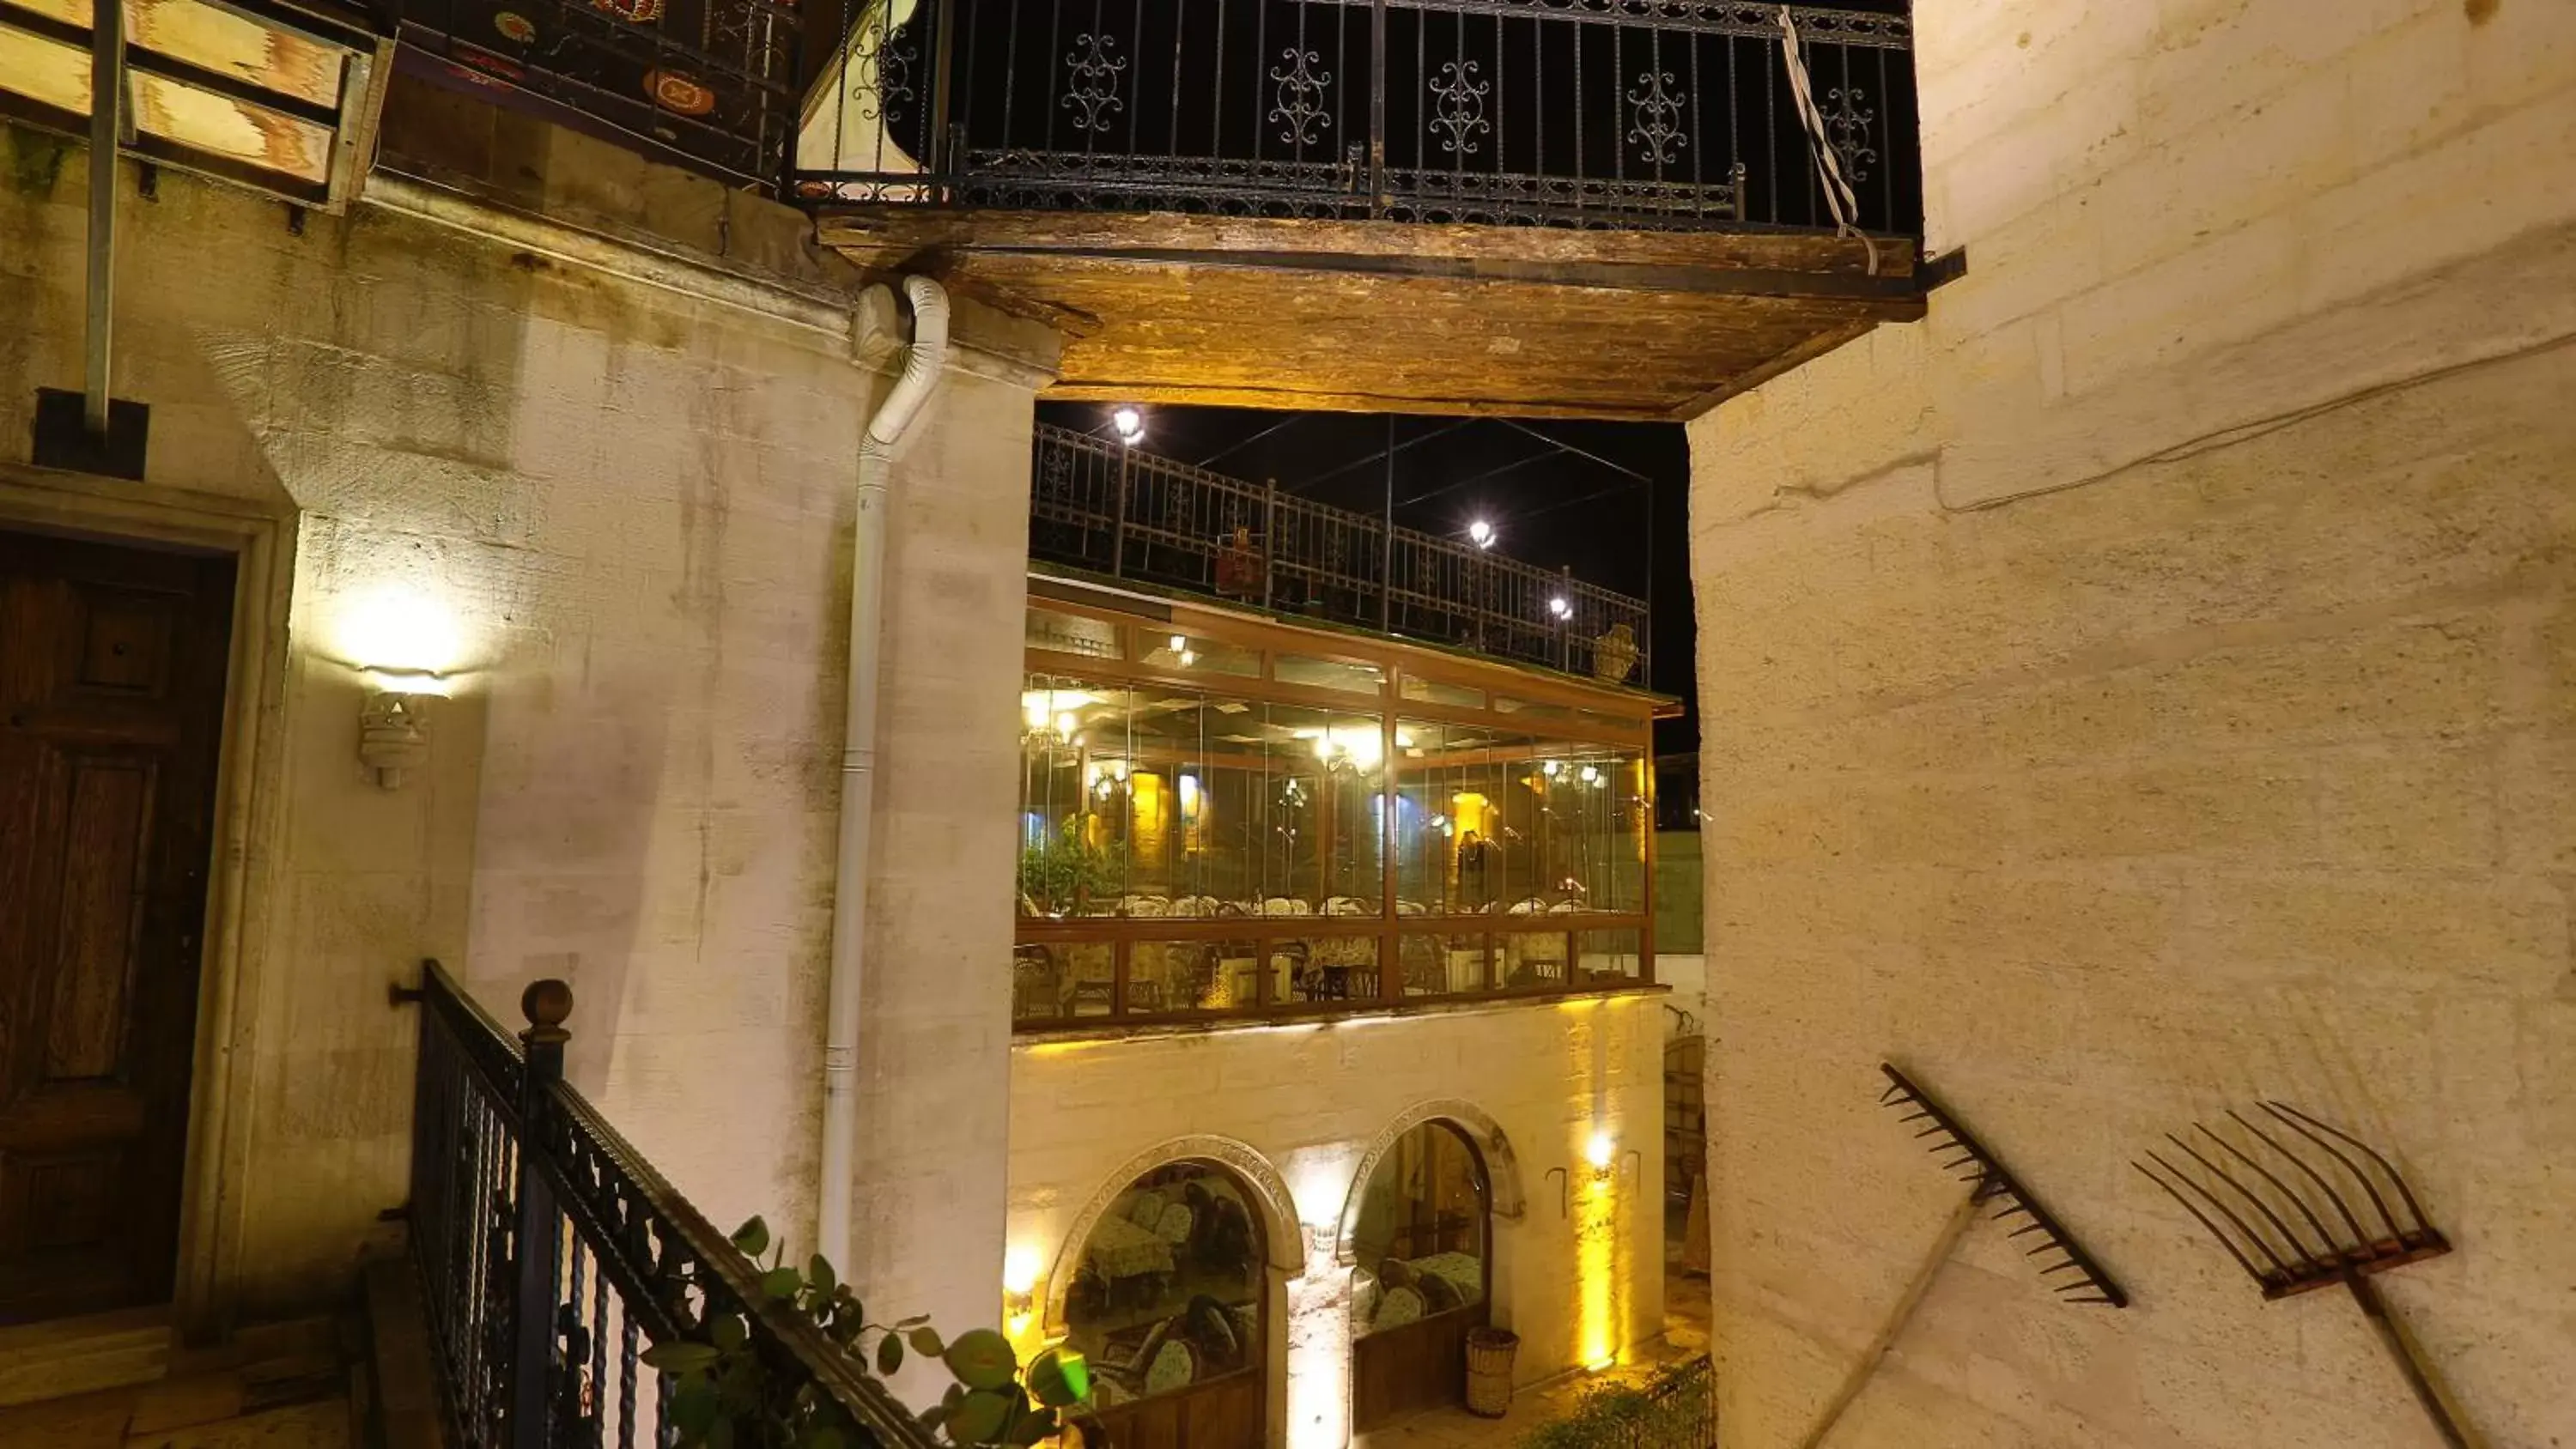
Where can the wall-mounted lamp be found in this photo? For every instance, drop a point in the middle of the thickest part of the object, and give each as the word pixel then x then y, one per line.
pixel 393 736
pixel 405 643
pixel 1600 1153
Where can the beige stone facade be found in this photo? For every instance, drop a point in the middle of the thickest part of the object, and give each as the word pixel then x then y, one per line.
pixel 621 475
pixel 1577 1266
pixel 2143 686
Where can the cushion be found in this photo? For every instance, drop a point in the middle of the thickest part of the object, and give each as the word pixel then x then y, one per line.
pixel 1174 1367
pixel 1399 1307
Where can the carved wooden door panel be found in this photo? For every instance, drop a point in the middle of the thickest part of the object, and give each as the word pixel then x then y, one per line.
pixel 112 665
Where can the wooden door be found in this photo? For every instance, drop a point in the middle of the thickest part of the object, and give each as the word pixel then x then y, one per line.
pixel 112 665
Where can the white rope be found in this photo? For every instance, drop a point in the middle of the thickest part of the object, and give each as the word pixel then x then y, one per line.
pixel 1839 197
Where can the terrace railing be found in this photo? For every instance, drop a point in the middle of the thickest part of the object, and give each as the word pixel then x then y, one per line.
pixel 551 1254
pixel 707 84
pixel 1106 508
pixel 1654 114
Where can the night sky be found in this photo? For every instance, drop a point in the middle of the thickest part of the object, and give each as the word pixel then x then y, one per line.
pixel 1550 507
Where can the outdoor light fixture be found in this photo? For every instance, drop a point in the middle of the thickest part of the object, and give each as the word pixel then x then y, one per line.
pixel 1560 608
pixel 1130 425
pixel 1481 533
pixel 403 643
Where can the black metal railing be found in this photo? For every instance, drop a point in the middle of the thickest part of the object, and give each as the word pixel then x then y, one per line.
pixel 1655 114
pixel 551 1254
pixel 1106 508
pixel 707 84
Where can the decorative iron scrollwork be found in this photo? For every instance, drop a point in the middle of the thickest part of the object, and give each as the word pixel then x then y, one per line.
pixel 880 74
pixel 1461 109
pixel 1300 97
pixel 1657 127
pixel 1096 71
pixel 1849 128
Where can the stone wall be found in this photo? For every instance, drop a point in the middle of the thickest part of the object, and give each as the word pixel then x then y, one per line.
pixel 1578 1277
pixel 623 478
pixel 2143 686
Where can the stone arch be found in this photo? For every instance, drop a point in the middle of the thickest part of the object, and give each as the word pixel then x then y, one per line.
pixel 1283 1243
pixel 1502 1166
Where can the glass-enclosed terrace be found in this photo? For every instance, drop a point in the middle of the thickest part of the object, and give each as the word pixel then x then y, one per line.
pixel 1226 816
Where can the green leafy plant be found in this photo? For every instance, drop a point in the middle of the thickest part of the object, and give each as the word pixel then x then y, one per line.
pixel 1068 869
pixel 1629 1415
pixel 725 1396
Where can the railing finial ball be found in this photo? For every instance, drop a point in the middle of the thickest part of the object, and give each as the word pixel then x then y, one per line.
pixel 547 1004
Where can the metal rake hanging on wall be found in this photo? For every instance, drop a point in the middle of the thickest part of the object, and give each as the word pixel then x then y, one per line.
pixel 2338 1245
pixel 2063 1265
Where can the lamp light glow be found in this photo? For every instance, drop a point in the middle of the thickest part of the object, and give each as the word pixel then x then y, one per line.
pixel 1560 608
pixel 1020 1270
pixel 1481 534
pixel 1600 1151
pixel 1130 425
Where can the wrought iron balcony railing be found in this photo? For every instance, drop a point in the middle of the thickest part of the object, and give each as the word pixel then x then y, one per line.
pixel 706 84
pixel 1105 508
pixel 1652 114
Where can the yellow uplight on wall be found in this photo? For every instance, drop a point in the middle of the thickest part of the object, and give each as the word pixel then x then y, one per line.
pixel 1020 1269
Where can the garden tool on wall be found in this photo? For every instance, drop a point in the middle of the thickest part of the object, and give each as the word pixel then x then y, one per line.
pixel 2351 1252
pixel 2064 1266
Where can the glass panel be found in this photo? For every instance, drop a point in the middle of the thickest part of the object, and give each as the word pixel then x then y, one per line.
pixel 1072 818
pixel 1533 960
pixel 1323 851
pixel 1443 963
pixel 1530 711
pixel 1060 633
pixel 1585 849
pixel 1421 1240
pixel 1168 1294
pixel 1331 674
pixel 1039 989
pixel 1176 976
pixel 1198 654
pixel 1326 968
pixel 1607 957
pixel 1448 816
pixel 1432 691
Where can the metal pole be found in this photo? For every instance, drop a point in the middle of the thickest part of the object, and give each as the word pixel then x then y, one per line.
pixel 1565 626
pixel 546 1004
pixel 1377 108
pixel 1118 540
pixel 106 129
pixel 1269 538
pixel 1386 541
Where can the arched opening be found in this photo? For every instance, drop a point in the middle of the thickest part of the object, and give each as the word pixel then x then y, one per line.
pixel 1424 1244
pixel 1168 1304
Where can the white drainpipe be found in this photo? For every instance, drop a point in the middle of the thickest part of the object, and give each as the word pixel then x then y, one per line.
pixel 921 373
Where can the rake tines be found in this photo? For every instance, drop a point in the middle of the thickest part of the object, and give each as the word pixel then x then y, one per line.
pixel 2308 1249
pixel 1969 1160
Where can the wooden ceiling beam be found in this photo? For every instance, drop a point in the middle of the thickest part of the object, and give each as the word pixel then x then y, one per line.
pixel 1289 399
